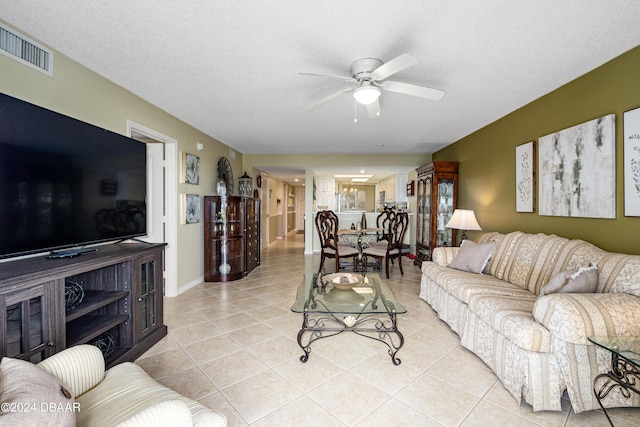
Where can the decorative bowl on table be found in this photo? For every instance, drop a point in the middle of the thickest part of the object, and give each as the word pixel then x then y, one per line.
pixel 344 281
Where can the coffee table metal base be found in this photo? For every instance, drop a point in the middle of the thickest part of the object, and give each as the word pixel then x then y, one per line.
pixel 623 375
pixel 380 327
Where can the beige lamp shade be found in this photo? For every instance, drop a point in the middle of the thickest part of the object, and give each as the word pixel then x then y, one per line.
pixel 463 219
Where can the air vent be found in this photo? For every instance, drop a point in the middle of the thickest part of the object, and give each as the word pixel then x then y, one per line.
pixel 16 46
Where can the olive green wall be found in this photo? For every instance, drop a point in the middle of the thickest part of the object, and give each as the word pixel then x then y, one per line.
pixel 487 157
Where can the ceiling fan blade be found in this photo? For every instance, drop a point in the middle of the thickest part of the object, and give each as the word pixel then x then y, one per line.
pixel 333 76
pixel 374 109
pixel 414 90
pixel 396 65
pixel 328 99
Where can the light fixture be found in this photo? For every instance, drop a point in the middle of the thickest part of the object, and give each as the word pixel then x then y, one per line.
pixel 366 94
pixel 463 219
pixel 245 185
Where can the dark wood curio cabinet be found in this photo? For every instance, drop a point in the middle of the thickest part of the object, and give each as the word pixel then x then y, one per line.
pixel 111 298
pixel 437 193
pixel 231 237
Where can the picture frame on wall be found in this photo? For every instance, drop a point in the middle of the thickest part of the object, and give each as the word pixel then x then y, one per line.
pixel 525 177
pixel 577 168
pixel 190 208
pixel 191 168
pixel 631 125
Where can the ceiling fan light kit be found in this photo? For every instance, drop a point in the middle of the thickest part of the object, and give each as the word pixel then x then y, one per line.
pixel 368 73
pixel 366 94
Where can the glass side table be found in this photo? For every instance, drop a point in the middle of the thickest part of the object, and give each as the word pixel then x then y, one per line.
pixel 625 367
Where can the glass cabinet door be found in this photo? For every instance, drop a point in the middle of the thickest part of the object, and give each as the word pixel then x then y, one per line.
pixel 147 297
pixel 444 197
pixel 224 238
pixel 28 333
pixel 427 211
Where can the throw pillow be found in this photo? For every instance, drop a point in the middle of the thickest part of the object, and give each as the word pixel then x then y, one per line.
pixel 584 280
pixel 30 396
pixel 472 257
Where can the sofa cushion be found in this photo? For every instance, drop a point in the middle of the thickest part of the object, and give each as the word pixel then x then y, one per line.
pixel 583 280
pixel 464 285
pixel 33 397
pixel 443 255
pixel 527 260
pixel 512 317
pixel 472 257
pixel 618 273
pixel 576 317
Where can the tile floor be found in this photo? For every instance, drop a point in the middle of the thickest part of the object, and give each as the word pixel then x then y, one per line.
pixel 232 346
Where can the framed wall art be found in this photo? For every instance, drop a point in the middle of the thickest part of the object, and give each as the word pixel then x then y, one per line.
pixel 577 169
pixel 190 208
pixel 525 177
pixel 632 162
pixel 191 168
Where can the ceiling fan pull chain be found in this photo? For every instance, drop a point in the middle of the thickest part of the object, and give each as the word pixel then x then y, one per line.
pixel 355 111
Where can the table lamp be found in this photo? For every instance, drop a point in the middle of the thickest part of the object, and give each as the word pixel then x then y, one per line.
pixel 463 219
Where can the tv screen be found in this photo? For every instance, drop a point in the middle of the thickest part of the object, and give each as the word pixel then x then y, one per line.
pixel 65 183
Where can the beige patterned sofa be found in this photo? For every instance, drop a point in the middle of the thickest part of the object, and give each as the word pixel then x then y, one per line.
pixel 538 346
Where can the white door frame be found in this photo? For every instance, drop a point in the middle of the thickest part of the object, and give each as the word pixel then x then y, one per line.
pixel 170 183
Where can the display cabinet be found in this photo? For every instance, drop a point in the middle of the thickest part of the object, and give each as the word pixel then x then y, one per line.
pixel 252 233
pixel 437 191
pixel 111 298
pixel 232 237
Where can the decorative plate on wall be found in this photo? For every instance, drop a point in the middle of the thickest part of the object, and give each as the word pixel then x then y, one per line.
pixel 259 181
pixel 225 173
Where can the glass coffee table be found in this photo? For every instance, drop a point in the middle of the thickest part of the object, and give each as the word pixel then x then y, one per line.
pixel 369 309
pixel 625 367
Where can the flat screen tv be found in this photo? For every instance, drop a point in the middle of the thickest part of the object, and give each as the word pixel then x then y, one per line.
pixel 65 183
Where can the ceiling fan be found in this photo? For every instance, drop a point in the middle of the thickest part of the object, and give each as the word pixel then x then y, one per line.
pixel 368 74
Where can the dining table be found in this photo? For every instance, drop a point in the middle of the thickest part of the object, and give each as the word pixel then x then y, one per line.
pixel 360 239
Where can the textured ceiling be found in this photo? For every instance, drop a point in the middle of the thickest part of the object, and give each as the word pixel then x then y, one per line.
pixel 229 68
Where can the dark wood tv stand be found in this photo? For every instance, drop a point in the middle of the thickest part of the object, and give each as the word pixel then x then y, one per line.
pixel 121 309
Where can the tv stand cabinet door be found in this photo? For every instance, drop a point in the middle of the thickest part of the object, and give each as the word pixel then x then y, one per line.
pixel 147 291
pixel 30 324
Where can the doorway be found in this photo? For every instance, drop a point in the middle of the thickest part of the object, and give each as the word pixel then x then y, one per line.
pixel 162 196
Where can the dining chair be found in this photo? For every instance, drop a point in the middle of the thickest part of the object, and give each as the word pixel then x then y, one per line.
pixel 327 226
pixel 383 222
pixel 397 229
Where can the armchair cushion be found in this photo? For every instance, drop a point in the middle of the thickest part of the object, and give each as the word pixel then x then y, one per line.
pixel 81 367
pixel 33 397
pixel 168 413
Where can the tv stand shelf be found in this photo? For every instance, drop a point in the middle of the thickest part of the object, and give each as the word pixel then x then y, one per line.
pixel 122 303
pixel 94 300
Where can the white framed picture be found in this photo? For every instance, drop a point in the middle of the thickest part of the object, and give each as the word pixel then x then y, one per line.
pixel 632 162
pixel 525 177
pixel 191 167
pixel 577 168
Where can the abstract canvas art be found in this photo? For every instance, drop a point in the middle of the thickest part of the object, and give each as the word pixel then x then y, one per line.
pixel 577 169
pixel 191 167
pixel 525 178
pixel 190 208
pixel 632 162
